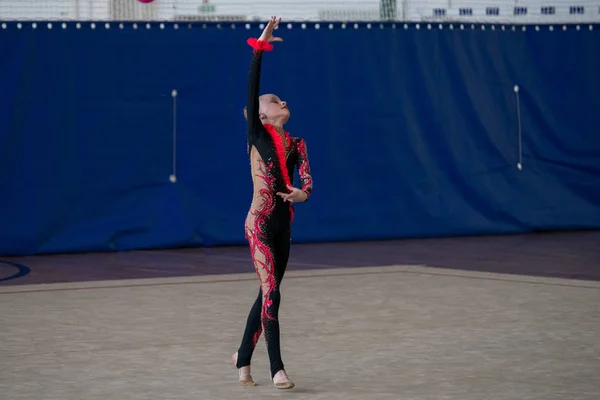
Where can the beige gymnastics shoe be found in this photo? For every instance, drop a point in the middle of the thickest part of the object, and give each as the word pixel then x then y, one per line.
pixel 244 378
pixel 282 381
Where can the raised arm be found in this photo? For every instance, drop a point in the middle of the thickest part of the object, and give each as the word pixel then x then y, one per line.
pixel 258 46
pixel 263 43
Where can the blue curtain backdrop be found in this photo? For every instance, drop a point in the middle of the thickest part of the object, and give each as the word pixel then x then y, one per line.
pixel 411 132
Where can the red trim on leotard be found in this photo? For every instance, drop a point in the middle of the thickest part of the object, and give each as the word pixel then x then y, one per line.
pixel 258 240
pixel 259 44
pixel 280 150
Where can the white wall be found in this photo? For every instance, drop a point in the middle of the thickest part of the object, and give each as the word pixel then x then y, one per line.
pixel 414 10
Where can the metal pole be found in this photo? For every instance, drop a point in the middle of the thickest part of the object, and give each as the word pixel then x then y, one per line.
pixel 387 10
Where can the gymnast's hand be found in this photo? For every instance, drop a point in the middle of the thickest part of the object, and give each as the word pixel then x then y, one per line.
pixel 295 196
pixel 267 34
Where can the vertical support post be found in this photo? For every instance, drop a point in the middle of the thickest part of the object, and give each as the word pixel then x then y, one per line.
pixel 387 10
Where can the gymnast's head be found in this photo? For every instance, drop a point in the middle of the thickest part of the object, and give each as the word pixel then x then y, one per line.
pixel 272 110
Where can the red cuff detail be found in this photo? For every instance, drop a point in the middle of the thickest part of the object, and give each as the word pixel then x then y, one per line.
pixel 259 45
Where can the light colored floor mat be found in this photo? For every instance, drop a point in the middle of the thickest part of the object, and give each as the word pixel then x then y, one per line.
pixel 399 332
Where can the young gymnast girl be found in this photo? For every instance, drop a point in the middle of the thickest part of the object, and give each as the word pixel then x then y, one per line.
pixel 274 157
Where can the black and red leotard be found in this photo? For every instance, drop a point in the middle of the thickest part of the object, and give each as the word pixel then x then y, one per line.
pixel 273 161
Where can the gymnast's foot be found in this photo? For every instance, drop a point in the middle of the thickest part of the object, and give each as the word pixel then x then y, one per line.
pixel 244 376
pixel 282 381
